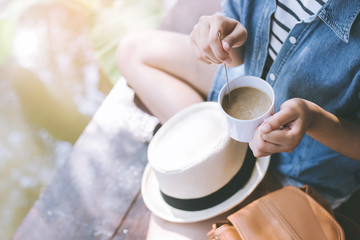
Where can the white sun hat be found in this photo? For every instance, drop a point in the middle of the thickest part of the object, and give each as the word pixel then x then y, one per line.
pixel 195 170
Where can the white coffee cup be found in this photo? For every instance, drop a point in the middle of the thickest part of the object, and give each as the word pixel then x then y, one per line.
pixel 243 130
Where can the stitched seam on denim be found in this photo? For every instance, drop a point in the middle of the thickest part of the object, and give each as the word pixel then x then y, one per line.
pixel 282 219
pixel 341 32
pixel 258 36
pixel 292 48
pixel 337 30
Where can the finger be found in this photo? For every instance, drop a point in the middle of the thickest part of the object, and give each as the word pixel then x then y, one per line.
pixel 216 45
pixel 271 148
pixel 236 36
pixel 289 137
pixel 278 120
pixel 204 60
pixel 197 41
pixel 257 152
pixel 196 50
pixel 278 137
pixel 263 148
pixel 225 46
pixel 207 59
pixel 259 146
pixel 204 45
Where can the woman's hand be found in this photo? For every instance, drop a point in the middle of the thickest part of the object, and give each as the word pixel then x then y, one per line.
pixel 206 44
pixel 283 131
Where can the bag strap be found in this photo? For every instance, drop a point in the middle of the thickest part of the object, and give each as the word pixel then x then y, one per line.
pixel 223 231
pixel 325 204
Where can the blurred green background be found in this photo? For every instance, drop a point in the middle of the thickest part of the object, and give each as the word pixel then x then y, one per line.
pixel 57 64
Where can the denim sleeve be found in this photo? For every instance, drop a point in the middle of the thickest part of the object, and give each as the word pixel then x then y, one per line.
pixel 230 8
pixel 358 111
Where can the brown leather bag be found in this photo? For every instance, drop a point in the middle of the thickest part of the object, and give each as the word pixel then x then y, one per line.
pixel 288 213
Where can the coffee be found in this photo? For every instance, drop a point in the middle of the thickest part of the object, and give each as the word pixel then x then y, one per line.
pixel 246 103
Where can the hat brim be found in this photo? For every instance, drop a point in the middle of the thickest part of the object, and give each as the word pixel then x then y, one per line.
pixel 153 200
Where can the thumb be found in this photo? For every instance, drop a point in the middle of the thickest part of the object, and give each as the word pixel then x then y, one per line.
pixel 277 121
pixel 225 45
pixel 236 38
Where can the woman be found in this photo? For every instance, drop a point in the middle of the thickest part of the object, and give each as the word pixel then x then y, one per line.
pixel 307 50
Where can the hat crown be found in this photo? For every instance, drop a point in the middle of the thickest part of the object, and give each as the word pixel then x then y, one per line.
pixel 183 184
pixel 192 155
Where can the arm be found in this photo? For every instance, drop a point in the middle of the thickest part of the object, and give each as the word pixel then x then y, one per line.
pixel 285 129
pixel 206 44
pixel 338 134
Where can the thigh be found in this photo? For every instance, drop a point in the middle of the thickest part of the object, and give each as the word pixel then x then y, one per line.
pixel 172 53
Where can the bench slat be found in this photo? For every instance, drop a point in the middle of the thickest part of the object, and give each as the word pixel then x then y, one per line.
pixel 92 192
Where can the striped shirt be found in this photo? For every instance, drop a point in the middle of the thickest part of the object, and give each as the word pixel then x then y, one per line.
pixel 287 14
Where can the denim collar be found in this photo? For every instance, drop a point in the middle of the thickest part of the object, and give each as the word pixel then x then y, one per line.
pixel 340 21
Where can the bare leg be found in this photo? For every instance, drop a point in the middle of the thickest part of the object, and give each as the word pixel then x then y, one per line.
pixel 165 74
pixel 161 229
pixel 163 71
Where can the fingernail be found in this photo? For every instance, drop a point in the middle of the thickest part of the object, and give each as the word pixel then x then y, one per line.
pixel 226 46
pixel 265 128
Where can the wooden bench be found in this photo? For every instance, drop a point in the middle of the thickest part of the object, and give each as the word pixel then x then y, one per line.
pixel 96 193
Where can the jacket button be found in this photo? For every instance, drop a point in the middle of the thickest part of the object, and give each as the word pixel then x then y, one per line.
pixel 272 77
pixel 292 40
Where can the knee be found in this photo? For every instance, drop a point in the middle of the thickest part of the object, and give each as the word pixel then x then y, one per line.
pixel 133 50
pixel 126 52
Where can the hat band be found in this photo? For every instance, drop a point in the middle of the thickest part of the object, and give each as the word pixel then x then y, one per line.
pixel 229 189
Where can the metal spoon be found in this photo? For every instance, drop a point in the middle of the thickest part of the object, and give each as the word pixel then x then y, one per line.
pixel 227 78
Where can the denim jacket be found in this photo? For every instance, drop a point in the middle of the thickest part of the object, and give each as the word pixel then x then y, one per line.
pixel 320 64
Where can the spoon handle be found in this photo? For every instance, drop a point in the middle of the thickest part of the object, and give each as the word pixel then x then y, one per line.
pixel 227 78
